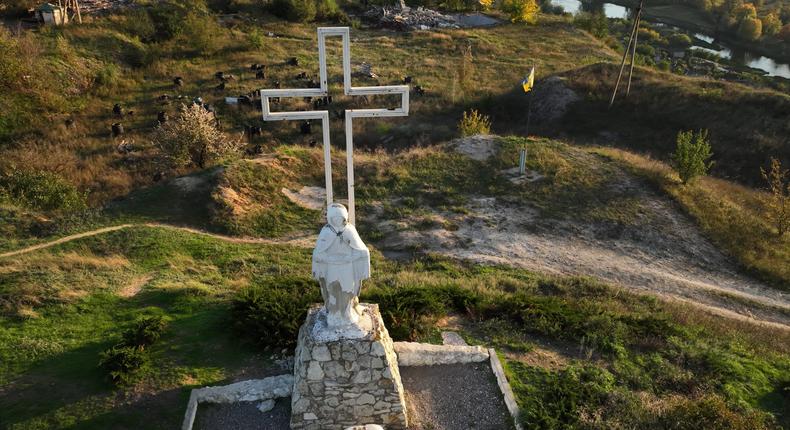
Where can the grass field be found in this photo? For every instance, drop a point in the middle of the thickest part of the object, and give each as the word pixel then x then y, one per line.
pixel 77 298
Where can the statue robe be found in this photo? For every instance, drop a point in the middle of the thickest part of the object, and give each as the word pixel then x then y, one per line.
pixel 343 258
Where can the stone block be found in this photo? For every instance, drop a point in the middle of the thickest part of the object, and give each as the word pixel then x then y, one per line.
pixel 343 381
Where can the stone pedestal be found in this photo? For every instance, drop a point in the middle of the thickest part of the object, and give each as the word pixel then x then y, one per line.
pixel 344 378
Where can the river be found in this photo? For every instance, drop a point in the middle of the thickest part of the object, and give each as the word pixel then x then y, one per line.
pixel 736 55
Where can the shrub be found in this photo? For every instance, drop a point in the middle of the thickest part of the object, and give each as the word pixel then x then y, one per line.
pixel 474 123
pixel 771 24
pixel 594 23
pixel 145 332
pixel 202 33
pixel 691 155
pixel 750 29
pixel 256 39
pixel 777 201
pixel 121 363
pixel 679 40
pixel 193 138
pixel 40 190
pixel 305 10
pixel 521 10
pixel 272 312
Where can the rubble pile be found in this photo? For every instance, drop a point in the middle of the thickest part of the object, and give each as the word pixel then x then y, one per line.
pixel 98 6
pixel 410 18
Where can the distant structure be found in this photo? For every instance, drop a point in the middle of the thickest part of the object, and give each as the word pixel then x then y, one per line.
pixel 60 14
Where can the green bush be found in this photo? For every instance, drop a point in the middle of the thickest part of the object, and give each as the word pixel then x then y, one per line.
pixel 145 332
pixel 474 123
pixel 555 400
pixel 304 10
pixel 594 23
pixel 272 312
pixel 40 190
pixel 691 155
pixel 410 312
pixel 122 362
pixel 679 40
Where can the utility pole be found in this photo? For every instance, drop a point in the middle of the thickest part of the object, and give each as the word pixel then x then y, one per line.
pixel 630 48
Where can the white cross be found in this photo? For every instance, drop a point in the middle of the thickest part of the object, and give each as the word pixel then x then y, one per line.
pixel 323 115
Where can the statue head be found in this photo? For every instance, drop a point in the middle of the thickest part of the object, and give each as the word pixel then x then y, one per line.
pixel 337 216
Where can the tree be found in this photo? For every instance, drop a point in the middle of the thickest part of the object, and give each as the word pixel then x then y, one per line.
pixel 777 202
pixel 521 10
pixel 193 138
pixel 784 33
pixel 691 155
pixel 750 29
pixel 771 24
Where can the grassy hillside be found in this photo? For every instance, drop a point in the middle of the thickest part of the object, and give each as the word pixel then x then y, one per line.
pixel 644 363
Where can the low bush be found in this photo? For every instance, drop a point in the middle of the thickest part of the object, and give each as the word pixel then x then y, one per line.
pixel 122 362
pixel 474 123
pixel 525 11
pixel 305 10
pixel 680 40
pixel 594 23
pixel 271 312
pixel 145 331
pixel 710 412
pixel 194 138
pixel 40 190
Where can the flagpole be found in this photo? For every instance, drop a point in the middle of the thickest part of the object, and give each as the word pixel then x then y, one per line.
pixel 522 162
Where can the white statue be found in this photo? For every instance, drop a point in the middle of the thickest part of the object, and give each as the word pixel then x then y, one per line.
pixel 340 262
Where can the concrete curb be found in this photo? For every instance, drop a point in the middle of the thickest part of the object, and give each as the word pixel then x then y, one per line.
pixel 245 391
pixel 426 354
pixel 504 387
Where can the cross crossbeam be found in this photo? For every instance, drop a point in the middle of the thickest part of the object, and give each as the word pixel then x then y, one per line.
pixel 323 115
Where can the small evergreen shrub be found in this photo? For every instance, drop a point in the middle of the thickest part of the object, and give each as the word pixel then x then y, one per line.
pixel 691 156
pixel 272 312
pixel 145 331
pixel 121 362
pixel 474 123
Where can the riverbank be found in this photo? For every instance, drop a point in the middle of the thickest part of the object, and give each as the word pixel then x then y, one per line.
pixel 693 19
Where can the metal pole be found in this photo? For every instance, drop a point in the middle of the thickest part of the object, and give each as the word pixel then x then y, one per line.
pixel 522 157
pixel 633 53
pixel 350 167
pixel 622 64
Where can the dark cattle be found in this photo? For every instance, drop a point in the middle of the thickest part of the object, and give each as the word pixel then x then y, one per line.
pixel 117 129
pixel 313 84
pixel 407 80
pixel 293 61
pixel 255 150
pixel 158 176
pixel 208 108
pixel 260 74
pixel 116 110
pixel 313 143
pixel 161 117
pixel 302 75
pixel 220 87
pixel 219 75
pixel 130 113
pixel 418 90
pixel 178 81
pixel 245 100
pixel 163 98
pixel 306 128
pixel 308 99
pixel 69 122
pixel 254 66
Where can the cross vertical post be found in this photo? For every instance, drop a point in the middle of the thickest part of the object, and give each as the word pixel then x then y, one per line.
pixel 350 114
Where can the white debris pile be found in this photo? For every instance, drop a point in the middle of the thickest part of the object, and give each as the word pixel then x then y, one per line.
pixel 95 6
pixel 408 18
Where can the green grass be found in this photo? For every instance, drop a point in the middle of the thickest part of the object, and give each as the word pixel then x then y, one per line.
pixel 79 297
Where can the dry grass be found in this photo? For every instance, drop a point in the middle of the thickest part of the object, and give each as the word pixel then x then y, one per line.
pixel 731 215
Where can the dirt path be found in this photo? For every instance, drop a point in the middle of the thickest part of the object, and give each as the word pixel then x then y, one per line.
pixel 303 240
pixel 662 252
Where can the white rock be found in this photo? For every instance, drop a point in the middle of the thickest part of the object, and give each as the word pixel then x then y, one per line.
pixel 266 405
pixel 424 354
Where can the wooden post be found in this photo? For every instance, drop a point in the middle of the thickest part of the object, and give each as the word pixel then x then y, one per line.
pixel 625 54
pixel 633 53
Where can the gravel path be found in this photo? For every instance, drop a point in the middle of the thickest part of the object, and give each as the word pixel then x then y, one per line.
pixel 454 397
pixel 243 416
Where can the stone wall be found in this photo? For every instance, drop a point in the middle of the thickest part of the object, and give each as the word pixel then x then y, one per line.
pixel 346 382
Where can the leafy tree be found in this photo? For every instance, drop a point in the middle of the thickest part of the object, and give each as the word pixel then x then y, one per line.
pixel 750 29
pixel 744 11
pixel 521 10
pixel 691 155
pixel 784 33
pixel 193 138
pixel 777 202
pixel 594 23
pixel 771 24
pixel 474 123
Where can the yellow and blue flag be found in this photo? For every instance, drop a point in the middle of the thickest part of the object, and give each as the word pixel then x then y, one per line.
pixel 529 81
